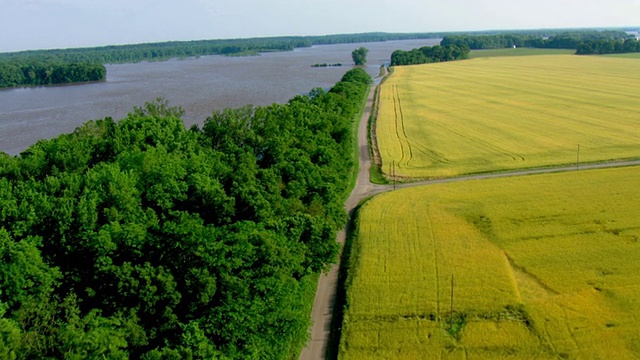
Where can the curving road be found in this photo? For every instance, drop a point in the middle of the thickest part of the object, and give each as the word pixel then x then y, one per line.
pixel 321 315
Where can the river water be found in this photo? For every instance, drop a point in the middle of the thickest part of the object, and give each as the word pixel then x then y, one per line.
pixel 200 86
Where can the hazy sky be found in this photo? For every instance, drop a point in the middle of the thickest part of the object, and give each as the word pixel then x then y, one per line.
pixel 36 24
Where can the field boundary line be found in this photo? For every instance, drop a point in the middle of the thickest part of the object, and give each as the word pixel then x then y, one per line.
pixel 516 172
pixel 394 91
pixel 517 268
pixel 436 267
pixel 373 127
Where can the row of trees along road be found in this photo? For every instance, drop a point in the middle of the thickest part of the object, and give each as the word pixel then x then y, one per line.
pixel 141 239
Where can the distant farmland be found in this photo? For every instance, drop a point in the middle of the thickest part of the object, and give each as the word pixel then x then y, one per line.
pixel 519 52
pixel 545 267
pixel 505 113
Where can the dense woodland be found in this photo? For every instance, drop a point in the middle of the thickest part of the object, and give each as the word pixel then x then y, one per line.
pixel 585 42
pixel 33 73
pixel 142 239
pixel 430 54
pixel 592 47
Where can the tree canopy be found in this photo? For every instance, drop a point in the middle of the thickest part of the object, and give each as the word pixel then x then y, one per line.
pixel 585 41
pixel 430 54
pixel 33 73
pixel 142 239
pixel 359 55
pixel 591 47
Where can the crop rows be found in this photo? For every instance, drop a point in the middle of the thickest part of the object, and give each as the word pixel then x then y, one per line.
pixel 545 266
pixel 492 114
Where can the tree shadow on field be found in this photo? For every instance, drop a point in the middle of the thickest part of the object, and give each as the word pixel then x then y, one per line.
pixel 340 303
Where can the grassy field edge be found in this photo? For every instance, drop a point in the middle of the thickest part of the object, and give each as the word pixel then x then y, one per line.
pixel 375 172
pixel 347 262
pixel 354 147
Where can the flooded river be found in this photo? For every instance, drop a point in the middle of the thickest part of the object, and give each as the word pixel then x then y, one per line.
pixel 200 86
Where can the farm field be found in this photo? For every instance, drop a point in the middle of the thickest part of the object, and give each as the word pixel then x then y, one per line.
pixel 506 113
pixel 518 52
pixel 627 55
pixel 544 267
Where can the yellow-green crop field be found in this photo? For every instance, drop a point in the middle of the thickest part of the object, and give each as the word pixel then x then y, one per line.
pixel 507 113
pixel 519 52
pixel 627 55
pixel 544 267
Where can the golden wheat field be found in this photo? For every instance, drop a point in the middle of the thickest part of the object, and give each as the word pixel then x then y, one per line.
pixel 543 267
pixel 505 113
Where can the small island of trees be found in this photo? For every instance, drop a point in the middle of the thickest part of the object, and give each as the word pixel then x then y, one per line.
pixel 585 42
pixel 327 65
pixel 359 56
pixel 35 73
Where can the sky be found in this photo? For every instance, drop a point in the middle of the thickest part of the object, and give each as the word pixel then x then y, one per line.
pixel 48 24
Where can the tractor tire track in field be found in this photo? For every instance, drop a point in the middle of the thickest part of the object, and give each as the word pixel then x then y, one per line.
pixel 396 118
pixel 404 131
pixel 436 269
pixel 433 155
pixel 536 288
pixel 319 346
pixel 482 143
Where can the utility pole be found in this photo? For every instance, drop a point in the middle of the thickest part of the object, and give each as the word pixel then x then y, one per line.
pixel 451 319
pixel 578 159
pixel 394 175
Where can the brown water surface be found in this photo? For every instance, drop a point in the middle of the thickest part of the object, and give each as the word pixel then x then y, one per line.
pixel 200 86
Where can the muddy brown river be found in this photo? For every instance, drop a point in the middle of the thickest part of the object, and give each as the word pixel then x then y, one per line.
pixel 200 86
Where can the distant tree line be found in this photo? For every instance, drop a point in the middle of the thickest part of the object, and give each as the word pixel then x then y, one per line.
pixel 430 54
pixel 585 41
pixel 12 63
pixel 44 67
pixel 141 239
pixel 33 73
pixel 592 47
pixel 183 49
pixel 477 42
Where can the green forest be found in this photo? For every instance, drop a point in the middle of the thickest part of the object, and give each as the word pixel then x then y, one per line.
pixel 601 47
pixel 430 54
pixel 34 73
pixel 139 238
pixel 584 41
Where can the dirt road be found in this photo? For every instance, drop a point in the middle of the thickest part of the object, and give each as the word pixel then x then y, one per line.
pixel 321 315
